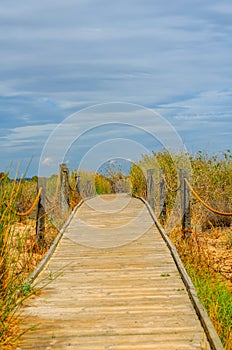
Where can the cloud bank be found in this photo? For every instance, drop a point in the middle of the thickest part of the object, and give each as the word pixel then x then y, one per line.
pixel 58 57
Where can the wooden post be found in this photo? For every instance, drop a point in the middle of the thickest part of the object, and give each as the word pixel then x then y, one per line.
pixel 150 188
pixel 185 203
pixel 78 188
pixel 163 193
pixel 64 190
pixel 40 219
pixel 88 184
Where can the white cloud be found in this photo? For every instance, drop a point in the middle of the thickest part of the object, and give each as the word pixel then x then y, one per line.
pixel 27 137
pixel 47 161
pixel 69 55
pixel 32 131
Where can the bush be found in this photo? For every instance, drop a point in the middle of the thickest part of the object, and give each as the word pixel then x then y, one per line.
pixel 138 181
pixel 212 180
pixel 13 262
pixel 102 184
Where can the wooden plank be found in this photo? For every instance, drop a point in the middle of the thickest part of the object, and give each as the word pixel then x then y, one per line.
pixel 212 335
pixel 128 296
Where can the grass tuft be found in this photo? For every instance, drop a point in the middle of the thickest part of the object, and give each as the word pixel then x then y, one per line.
pixel 206 253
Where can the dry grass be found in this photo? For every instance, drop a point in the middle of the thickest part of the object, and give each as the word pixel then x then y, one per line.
pixel 23 254
pixel 205 258
pixel 19 254
pixel 217 246
pixel 207 253
pixel 20 251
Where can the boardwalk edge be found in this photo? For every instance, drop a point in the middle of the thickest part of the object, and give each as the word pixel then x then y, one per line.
pixel 51 250
pixel 207 324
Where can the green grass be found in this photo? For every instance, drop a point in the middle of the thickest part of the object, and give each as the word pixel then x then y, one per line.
pixel 12 266
pixel 216 298
pixel 19 249
pixel 19 254
pixel 211 177
pixel 212 288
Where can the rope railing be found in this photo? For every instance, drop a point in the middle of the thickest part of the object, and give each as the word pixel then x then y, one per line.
pixel 48 212
pixel 196 195
pixel 185 189
pixel 56 195
pixel 57 208
pixel 26 213
pixel 50 201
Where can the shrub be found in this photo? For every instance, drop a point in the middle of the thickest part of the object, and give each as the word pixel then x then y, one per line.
pixel 102 184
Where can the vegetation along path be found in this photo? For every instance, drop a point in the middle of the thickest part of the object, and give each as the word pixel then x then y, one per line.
pixel 114 285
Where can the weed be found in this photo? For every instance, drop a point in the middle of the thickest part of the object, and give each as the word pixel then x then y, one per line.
pixel 212 180
pixel 138 181
pixel 217 300
pixel 19 253
pixel 102 185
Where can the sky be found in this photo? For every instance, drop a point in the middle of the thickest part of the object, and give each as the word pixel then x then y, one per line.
pixel 66 58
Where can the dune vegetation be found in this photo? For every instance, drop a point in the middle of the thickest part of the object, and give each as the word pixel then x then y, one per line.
pixel 206 252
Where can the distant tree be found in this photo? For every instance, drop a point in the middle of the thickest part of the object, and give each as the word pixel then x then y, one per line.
pixel 4 177
pixel 34 178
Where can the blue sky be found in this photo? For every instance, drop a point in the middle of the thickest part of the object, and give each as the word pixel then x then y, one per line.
pixel 58 57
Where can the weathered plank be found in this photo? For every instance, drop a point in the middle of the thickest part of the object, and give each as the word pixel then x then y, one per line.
pixel 117 286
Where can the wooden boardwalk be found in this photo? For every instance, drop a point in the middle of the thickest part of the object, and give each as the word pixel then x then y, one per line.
pixel 118 286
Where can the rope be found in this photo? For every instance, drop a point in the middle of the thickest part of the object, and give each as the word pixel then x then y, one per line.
pixel 215 211
pixel 32 207
pixel 48 200
pixel 48 212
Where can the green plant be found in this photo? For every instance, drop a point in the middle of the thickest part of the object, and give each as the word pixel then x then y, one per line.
pixel 217 299
pixel 102 184
pixel 212 180
pixel 138 181
pixel 9 281
pixel 211 287
pixel 18 254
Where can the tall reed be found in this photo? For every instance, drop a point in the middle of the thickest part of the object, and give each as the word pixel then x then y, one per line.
pixel 16 249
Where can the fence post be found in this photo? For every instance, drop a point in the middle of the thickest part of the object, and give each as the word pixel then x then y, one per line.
pixel 64 190
pixel 88 189
pixel 40 219
pixel 78 187
pixel 150 188
pixel 185 203
pixel 163 193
